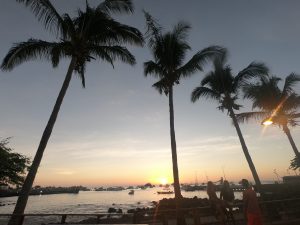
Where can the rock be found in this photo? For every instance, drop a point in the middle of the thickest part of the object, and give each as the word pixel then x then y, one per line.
pixel 119 211
pixel 112 210
pixel 130 210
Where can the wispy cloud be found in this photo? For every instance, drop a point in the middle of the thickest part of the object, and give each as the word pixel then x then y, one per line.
pixel 63 171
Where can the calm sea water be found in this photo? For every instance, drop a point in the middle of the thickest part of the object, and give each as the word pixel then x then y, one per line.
pixel 92 201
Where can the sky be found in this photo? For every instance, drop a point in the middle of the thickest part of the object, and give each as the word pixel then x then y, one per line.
pixel 116 130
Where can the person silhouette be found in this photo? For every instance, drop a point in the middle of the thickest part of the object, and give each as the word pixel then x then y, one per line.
pixel 252 210
pixel 227 193
pixel 216 203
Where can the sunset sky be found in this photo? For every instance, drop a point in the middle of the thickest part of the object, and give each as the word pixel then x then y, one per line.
pixel 116 130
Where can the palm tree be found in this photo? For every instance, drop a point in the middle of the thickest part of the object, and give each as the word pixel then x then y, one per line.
pixel 221 85
pixel 276 105
pixel 92 35
pixel 169 50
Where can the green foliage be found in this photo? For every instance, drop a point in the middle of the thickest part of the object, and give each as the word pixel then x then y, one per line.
pixel 12 165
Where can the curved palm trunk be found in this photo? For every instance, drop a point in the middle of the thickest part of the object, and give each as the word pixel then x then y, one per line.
pixel 245 150
pixel 16 218
pixel 173 147
pixel 288 134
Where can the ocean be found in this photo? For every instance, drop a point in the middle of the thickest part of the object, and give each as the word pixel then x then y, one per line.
pixel 91 201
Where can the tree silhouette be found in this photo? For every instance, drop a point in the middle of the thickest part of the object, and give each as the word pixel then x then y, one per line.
pixel 276 105
pixel 13 166
pixel 92 35
pixel 169 51
pixel 221 85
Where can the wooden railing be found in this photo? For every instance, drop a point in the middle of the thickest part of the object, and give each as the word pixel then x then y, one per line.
pixel 276 210
pixel 63 216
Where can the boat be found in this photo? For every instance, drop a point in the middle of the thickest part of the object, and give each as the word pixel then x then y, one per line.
pixel 131 192
pixel 193 187
pixel 118 188
pixel 165 192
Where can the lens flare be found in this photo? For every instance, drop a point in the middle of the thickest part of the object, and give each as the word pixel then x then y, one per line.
pixel 267 122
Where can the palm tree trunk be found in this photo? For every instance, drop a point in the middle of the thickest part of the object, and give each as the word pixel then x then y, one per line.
pixel 245 150
pixel 16 218
pixel 178 196
pixel 173 147
pixel 288 134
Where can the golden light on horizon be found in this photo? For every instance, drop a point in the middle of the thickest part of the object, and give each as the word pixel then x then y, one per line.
pixel 163 181
pixel 160 175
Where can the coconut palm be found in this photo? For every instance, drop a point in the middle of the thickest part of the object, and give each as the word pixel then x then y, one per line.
pixel 221 85
pixel 276 106
pixel 92 35
pixel 169 50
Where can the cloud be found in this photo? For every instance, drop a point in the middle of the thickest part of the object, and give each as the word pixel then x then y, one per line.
pixel 65 172
pixel 131 148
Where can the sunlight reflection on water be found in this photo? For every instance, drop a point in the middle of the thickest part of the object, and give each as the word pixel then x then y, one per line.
pixel 93 201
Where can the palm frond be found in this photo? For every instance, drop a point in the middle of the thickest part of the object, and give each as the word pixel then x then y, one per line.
pixel 170 51
pixel 207 78
pixel 111 53
pixel 290 103
pixel 127 34
pixel 116 6
pixel 295 163
pixel 181 29
pixel 58 51
pixel 204 92
pixel 111 32
pixel 221 58
pixel 153 69
pixel 46 13
pixel 246 116
pixel 24 51
pixel 162 86
pixel 68 26
pixel 290 82
pixel 153 33
pixel 295 115
pixel 255 69
pixel 81 73
pixel 200 59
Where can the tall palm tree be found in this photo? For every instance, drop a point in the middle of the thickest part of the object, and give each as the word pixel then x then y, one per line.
pixel 276 105
pixel 169 50
pixel 221 85
pixel 92 35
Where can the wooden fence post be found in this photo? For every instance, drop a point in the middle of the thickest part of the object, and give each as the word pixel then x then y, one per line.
pixel 134 218
pixel 164 218
pixel 22 219
pixel 196 217
pixel 63 219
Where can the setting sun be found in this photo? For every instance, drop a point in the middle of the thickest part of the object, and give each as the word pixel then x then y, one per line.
pixel 163 181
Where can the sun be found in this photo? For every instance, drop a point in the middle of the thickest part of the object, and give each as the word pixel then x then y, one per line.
pixel 163 180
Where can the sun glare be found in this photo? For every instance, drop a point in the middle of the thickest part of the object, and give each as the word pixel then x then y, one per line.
pixel 163 181
pixel 267 122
